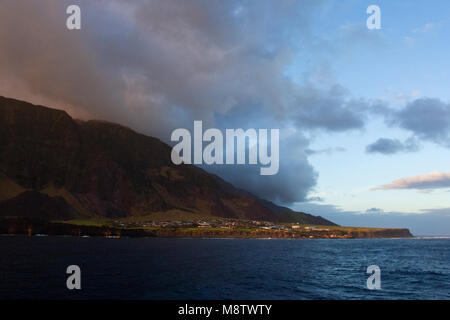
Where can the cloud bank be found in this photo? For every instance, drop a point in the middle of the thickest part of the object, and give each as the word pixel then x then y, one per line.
pixel 426 118
pixel 159 65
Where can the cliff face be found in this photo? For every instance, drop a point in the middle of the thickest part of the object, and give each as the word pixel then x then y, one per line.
pixel 382 233
pixel 103 169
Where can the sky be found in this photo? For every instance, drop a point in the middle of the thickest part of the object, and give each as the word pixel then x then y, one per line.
pixel 364 115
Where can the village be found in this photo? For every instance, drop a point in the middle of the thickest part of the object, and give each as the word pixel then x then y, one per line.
pixel 213 223
pixel 236 225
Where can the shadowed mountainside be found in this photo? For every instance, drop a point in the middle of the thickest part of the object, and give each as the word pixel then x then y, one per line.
pixel 56 167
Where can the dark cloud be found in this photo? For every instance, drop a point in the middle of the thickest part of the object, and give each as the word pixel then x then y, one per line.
pixel 292 182
pixel 295 178
pixel 330 110
pixel 159 65
pixel 392 146
pixel 428 119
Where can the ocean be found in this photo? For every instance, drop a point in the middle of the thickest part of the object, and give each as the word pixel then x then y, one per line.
pixel 155 268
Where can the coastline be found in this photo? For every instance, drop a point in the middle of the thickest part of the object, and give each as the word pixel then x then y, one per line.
pixel 35 227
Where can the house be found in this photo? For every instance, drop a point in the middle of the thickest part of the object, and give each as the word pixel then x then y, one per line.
pixel 204 225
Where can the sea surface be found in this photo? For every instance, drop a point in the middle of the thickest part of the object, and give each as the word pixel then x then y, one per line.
pixel 149 268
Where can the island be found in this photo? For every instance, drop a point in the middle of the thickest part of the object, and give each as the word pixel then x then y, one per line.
pixel 215 228
pixel 64 176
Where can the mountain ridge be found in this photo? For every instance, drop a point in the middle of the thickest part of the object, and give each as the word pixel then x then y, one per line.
pixel 107 170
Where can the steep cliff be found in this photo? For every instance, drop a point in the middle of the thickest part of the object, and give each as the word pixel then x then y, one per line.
pixel 96 168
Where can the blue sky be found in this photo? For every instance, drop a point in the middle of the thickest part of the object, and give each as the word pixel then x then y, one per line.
pixel 356 108
pixel 404 60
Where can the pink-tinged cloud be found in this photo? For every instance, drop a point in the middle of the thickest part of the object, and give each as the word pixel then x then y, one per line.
pixel 433 180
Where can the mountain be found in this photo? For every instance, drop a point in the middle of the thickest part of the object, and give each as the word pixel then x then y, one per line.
pixel 304 218
pixel 37 205
pixel 56 167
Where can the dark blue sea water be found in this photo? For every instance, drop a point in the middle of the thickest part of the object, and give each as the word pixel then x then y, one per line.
pixel 35 268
